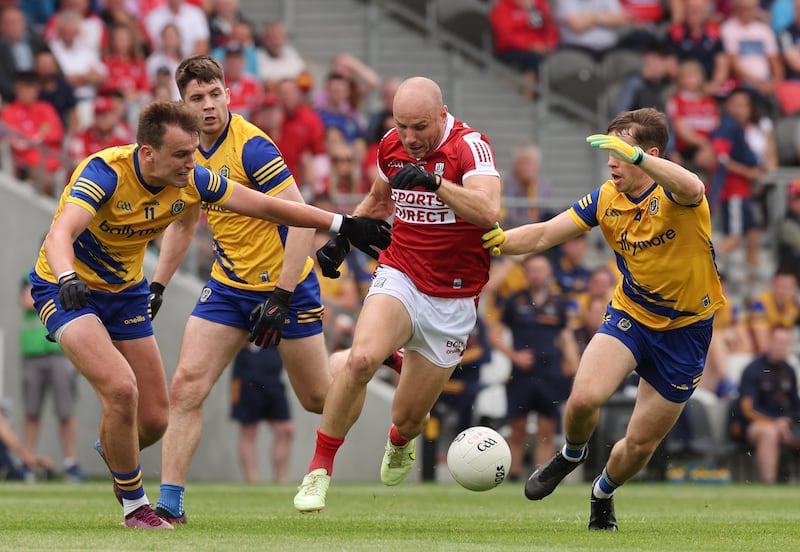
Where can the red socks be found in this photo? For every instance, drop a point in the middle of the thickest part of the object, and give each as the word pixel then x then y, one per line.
pixel 325 452
pixel 397 439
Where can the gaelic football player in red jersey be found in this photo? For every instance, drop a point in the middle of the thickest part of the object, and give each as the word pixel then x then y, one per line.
pixel 438 177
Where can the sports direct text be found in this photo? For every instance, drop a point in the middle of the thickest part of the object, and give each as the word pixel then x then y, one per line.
pixel 421 207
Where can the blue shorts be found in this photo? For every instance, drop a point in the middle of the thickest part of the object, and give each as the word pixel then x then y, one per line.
pixel 232 306
pixel 527 393
pixel 257 388
pixel 123 313
pixel 671 361
pixel 737 216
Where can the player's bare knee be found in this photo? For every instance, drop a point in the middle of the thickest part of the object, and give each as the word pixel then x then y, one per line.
pixel 188 390
pixel 121 395
pixel 640 450
pixel 361 366
pixel 582 404
pixel 312 402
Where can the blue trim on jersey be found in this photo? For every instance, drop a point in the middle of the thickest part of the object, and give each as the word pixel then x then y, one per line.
pixel 263 163
pixel 671 361
pixel 210 185
pixel 96 183
pixel 645 298
pixel 150 188
pixel 643 196
pixel 93 253
pixel 588 212
pixel 218 143
pixel 224 262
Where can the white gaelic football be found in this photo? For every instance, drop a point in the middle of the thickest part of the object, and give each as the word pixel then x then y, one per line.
pixel 479 458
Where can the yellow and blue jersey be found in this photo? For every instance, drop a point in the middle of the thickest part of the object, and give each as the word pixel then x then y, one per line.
pixel 248 251
pixel 128 214
pixel 663 250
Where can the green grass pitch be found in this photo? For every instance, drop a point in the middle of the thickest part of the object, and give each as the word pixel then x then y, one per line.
pixel 413 516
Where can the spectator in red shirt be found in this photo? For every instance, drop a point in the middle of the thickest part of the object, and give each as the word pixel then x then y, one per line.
pixel 245 90
pixel 693 115
pixel 109 129
pixel 302 140
pixel 127 71
pixel 36 133
pixel 524 33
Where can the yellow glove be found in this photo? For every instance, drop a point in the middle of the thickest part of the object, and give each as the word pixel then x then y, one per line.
pixel 618 148
pixel 493 239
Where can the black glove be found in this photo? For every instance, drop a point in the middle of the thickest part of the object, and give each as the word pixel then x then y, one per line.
pixel 369 235
pixel 411 176
pixel 155 299
pixel 268 318
pixel 331 255
pixel 73 293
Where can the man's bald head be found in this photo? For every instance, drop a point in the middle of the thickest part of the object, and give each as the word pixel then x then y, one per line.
pixel 420 115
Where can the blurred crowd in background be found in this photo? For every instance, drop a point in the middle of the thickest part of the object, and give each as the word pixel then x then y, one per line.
pixel 75 73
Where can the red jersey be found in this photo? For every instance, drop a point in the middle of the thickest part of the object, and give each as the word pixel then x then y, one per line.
pixel 515 28
pixel 38 122
pixel 245 94
pixel 699 112
pixel 124 75
pixel 438 250
pixel 91 141
pixel 644 11
pixel 301 132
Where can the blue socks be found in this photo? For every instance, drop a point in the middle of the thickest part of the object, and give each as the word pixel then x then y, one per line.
pixel 604 487
pixel 573 451
pixel 171 499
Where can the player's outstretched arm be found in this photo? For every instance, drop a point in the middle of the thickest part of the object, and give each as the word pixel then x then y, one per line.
pixel 368 235
pixel 534 237
pixel 685 186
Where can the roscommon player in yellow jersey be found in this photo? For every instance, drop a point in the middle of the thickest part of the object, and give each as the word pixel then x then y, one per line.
pixel 89 288
pixel 655 216
pixel 258 265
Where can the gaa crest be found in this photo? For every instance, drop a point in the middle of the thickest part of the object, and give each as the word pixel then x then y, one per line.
pixel 178 207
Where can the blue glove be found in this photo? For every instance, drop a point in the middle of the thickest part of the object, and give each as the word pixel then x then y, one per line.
pixel 268 318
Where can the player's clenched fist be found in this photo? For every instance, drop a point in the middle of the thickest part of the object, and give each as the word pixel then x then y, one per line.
pixel 73 293
pixel 268 318
pixel 369 235
pixel 411 176
pixel 494 238
pixel 331 255
pixel 155 299
pixel 617 147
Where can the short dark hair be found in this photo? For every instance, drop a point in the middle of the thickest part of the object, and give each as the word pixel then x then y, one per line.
pixel 158 115
pixel 26 77
pixel 202 68
pixel 647 126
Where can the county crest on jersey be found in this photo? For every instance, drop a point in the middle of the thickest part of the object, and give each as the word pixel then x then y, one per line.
pixel 437 249
pixel 663 250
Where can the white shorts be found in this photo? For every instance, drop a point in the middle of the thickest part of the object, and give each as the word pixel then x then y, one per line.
pixel 439 326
